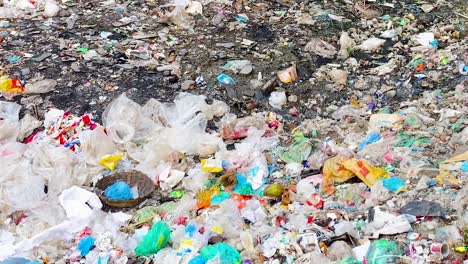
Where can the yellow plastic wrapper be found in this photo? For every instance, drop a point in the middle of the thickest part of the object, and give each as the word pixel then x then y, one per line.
pixel 333 172
pixel 340 169
pixel 212 165
pixel 110 161
pixel 366 172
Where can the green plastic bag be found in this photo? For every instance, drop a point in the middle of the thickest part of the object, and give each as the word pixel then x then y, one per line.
pixel 156 239
pixel 383 252
pixel 298 151
pixel 227 254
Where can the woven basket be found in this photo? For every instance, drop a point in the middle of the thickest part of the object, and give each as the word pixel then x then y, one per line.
pixel 132 178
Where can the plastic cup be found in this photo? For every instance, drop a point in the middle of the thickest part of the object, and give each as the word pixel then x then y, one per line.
pixel 440 249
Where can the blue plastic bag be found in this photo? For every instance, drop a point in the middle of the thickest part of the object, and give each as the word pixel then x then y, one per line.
pixel 464 166
pixel 197 260
pixel 119 191
pixel 371 138
pixel 394 184
pixel 225 79
pixel 85 245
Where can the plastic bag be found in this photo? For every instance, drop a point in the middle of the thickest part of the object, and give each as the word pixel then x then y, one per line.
pixel 9 121
pixel 383 252
pixel 226 253
pixel 232 127
pixel 371 138
pixel 195 179
pixel 118 191
pixel 349 111
pixel 340 169
pixel 86 245
pixel 377 121
pixel 60 167
pixel 298 151
pixel 27 125
pixel 178 15
pixel 157 238
pixel 125 122
pixel 334 171
pixel 110 161
pixel 394 184
pixel 277 99
pixel 9 88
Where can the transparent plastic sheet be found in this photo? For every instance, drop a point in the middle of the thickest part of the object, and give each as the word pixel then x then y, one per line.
pixel 20 8
pixel 151 153
pixel 187 118
pixel 246 151
pixel 16 8
pixel 21 189
pixel 9 121
pixel 248 156
pixel 183 208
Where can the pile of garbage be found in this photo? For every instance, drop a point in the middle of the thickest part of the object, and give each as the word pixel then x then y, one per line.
pixel 388 186
pixel 279 132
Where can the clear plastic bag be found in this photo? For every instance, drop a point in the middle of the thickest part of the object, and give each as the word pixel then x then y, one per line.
pixel 96 144
pixel 125 122
pixel 9 121
pixel 60 167
pixel 27 125
pixel 178 15
pixel 349 110
pixel 180 125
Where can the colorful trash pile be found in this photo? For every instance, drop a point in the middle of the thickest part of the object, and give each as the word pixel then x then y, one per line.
pixel 387 186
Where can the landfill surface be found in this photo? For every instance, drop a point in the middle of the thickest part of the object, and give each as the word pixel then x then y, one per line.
pixel 208 132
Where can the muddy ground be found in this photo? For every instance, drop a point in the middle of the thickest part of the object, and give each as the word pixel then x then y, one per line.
pixel 49 48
